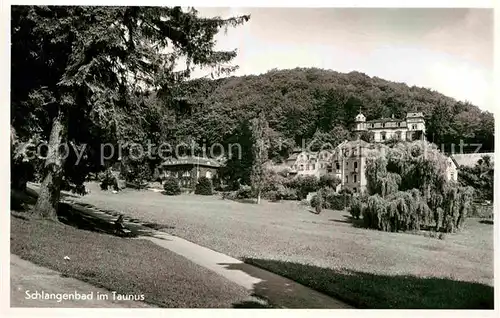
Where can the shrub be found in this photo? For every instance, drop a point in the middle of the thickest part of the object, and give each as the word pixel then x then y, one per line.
pixel 244 192
pixel 171 186
pixel 303 185
pixel 204 186
pixel 316 200
pixel 229 195
pixel 272 196
pixel 289 194
pixel 356 207
pixel 108 180
pixel 329 181
pixel 336 201
pixel 331 200
pixel 273 181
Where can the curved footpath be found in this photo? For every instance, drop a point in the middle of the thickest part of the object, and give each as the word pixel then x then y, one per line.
pixel 279 291
pixel 274 290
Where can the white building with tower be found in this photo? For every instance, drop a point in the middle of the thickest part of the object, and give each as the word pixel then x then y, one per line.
pixel 383 129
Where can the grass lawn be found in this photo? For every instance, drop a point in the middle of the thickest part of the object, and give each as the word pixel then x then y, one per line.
pixel 385 270
pixel 127 266
pixel 372 291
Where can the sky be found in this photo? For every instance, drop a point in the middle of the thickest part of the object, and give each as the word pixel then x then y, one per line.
pixel 449 50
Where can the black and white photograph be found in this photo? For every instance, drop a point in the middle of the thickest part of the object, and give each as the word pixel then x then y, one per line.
pixel 250 157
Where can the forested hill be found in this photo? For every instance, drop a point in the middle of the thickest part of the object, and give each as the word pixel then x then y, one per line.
pixel 305 102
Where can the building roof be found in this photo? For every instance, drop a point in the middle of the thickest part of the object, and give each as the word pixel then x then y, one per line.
pixel 470 159
pixel 191 160
pixel 416 114
pixel 360 117
pixel 386 120
pixel 355 143
pixel 293 156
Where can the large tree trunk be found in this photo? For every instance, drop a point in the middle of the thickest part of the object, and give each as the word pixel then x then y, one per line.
pixel 50 190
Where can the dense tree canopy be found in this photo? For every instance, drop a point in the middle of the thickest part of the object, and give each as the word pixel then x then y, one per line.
pixel 81 76
pixel 481 177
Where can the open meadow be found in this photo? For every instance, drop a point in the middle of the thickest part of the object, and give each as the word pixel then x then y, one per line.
pixel 326 251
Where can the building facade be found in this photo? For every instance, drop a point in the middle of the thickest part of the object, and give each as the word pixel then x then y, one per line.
pixel 384 129
pixel 349 164
pixel 348 160
pixel 304 163
pixel 189 169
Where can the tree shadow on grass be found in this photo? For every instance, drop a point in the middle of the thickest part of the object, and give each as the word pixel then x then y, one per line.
pixel 274 291
pixel 357 223
pixel 85 218
pixel 366 290
pixel 486 222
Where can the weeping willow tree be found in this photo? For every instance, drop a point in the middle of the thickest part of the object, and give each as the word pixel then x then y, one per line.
pixel 456 205
pixel 408 190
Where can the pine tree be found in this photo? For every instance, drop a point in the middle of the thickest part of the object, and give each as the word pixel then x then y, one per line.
pixel 87 65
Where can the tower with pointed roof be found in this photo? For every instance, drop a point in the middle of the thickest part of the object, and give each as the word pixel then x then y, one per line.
pixel 360 122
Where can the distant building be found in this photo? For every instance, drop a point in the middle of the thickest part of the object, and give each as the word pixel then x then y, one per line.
pixel 348 160
pixel 451 170
pixel 189 169
pixel 408 129
pixel 304 163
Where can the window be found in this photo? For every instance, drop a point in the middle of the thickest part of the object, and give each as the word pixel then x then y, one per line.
pixel 301 168
pixel 354 190
pixel 452 175
pixel 382 135
pixel 355 164
pixel 355 178
pixel 347 179
pixel 186 174
pixel 313 166
pixel 347 164
pixel 414 126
